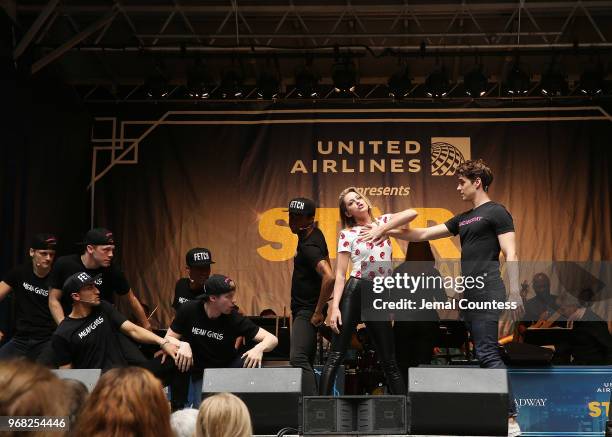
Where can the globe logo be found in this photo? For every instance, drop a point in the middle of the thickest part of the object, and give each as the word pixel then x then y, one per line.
pixel 445 159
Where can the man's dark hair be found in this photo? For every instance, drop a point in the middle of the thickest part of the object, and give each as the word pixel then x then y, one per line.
pixel 473 170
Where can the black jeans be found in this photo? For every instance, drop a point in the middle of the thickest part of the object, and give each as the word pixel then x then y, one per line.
pixel 486 346
pixel 34 349
pixel 381 334
pixel 304 348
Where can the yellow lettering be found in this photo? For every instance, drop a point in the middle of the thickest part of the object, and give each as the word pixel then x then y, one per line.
pixel 342 146
pixel 393 147
pixel 281 245
pixel 414 165
pixel 595 410
pixel 329 165
pixel 321 150
pixel 397 165
pixel 346 168
pixel 284 241
pixel 299 166
pixel 413 147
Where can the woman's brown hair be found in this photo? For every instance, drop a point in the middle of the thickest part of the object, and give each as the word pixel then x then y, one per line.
pixel 126 402
pixel 29 389
pixel 349 222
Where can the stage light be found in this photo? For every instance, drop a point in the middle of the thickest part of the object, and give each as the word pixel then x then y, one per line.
pixel 156 87
pixel 553 83
pixel 475 82
pixel 591 82
pixel 400 83
pixel 200 82
pixel 517 81
pixel 306 83
pixel 437 84
pixel 267 86
pixel 344 76
pixel 231 85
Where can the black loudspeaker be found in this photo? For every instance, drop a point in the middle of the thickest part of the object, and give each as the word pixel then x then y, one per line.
pixel 527 354
pixel 458 401
pixel 354 415
pixel 89 377
pixel 272 394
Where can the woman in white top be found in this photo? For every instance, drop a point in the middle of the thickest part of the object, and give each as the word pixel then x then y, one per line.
pixel 369 261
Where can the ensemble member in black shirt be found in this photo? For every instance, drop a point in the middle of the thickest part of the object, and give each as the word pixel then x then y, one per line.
pixel 210 326
pixel 311 285
pixel 96 260
pixel 484 231
pixel 29 283
pixel 198 262
pixel 88 337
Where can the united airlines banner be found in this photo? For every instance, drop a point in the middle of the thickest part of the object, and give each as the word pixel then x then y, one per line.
pixel 222 179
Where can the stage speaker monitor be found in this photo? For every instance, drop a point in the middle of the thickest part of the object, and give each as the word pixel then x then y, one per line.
pixel 458 401
pixel 325 415
pixel 89 377
pixel 382 415
pixel 271 394
pixel 354 415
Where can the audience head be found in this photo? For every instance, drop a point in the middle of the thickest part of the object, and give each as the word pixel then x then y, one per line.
pixel 76 395
pixel 268 312
pixel 223 415
pixel 183 422
pixel 29 389
pixel 126 402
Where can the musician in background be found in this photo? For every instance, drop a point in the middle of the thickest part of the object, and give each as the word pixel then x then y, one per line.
pixel 542 306
pixel 589 342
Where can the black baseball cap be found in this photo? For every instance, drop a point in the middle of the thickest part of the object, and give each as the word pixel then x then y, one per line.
pixel 99 237
pixel 77 281
pixel 301 206
pixel 44 242
pixel 218 284
pixel 198 256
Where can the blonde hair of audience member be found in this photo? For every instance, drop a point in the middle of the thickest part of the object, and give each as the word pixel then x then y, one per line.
pixel 29 389
pixel 126 402
pixel 223 415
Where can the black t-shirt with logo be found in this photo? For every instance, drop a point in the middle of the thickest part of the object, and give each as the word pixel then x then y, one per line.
pixel 478 230
pixel 31 302
pixel 184 294
pixel 306 281
pixel 90 342
pixel 112 281
pixel 212 340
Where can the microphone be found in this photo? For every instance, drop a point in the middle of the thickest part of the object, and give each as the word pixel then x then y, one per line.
pixel 88 301
pixel 305 227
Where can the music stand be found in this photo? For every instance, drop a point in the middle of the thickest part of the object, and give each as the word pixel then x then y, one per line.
pixel 281 327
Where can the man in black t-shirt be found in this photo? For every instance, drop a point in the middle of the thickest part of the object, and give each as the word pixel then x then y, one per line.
pixel 312 283
pixel 484 231
pixel 88 337
pixel 187 289
pixel 96 260
pixel 210 325
pixel 29 283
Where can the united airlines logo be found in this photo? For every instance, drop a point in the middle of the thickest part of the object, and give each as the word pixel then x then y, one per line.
pixel 448 153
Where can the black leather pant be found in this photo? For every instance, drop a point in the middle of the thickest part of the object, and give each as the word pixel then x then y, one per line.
pixel 381 334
